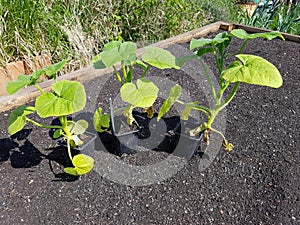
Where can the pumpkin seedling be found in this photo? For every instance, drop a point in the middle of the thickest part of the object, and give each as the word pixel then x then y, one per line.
pixel 245 68
pixel 142 94
pixel 66 97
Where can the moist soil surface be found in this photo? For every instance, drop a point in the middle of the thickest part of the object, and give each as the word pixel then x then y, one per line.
pixel 257 183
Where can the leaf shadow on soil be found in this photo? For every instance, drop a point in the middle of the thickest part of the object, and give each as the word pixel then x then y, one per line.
pixel 20 151
pixel 23 154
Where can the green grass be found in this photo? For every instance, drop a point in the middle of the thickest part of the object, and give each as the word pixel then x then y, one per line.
pixel 77 29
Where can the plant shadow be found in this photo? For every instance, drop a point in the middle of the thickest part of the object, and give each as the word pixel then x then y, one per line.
pixel 20 151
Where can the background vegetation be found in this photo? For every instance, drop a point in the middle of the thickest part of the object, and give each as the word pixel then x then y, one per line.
pixel 276 16
pixel 77 29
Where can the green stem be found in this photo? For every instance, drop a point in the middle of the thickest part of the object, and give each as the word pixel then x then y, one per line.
pixel 209 80
pixel 230 97
pixel 69 149
pixel 243 46
pixel 124 72
pixel 42 125
pixel 201 108
pixel 218 132
pixel 39 88
pixel 145 71
pixel 118 75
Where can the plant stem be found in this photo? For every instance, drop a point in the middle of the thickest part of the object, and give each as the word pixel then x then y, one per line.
pixel 230 97
pixel 243 46
pixel 218 132
pixel 39 88
pixel 145 71
pixel 118 75
pixel 209 80
pixel 42 125
pixel 69 149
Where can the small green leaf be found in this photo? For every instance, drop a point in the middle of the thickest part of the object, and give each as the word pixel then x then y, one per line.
pixel 253 70
pixel 206 42
pixel 58 133
pixel 80 127
pixel 198 43
pixel 17 118
pixel 175 93
pixel 101 121
pixel 242 34
pixel 187 110
pixel 14 86
pixel 203 51
pixel 51 70
pixel 69 97
pixel 112 45
pixel 159 58
pixel 143 94
pixel 82 165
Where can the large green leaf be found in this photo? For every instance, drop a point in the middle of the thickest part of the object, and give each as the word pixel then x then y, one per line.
pixel 17 118
pixel 143 94
pixel 159 58
pixel 242 34
pixel 253 70
pixel 101 121
pixel 125 52
pixel 82 165
pixel 14 86
pixel 68 97
pixel 175 93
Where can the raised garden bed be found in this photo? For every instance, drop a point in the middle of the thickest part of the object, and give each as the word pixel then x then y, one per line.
pixel 257 183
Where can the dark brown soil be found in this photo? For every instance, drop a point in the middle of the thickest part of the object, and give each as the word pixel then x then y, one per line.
pixel 257 183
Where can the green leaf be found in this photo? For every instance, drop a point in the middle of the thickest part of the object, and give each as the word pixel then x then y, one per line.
pixel 253 70
pixel 51 70
pixel 78 127
pixel 125 52
pixel 112 45
pixel 14 86
pixel 203 51
pixel 159 58
pixel 17 118
pixel 58 133
pixel 175 93
pixel 197 43
pixel 22 81
pixel 203 42
pixel 187 110
pixel 101 121
pixel 68 97
pixel 143 94
pixel 242 34
pixel 82 165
